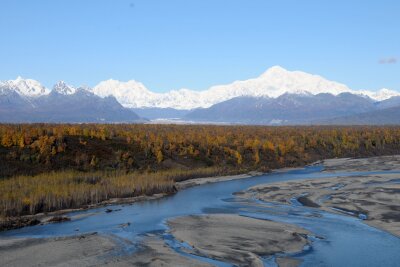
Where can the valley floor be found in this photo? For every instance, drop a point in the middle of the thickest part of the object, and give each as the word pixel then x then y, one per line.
pixel 373 198
pixel 233 238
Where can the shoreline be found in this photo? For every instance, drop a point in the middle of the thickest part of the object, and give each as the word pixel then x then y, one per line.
pixel 372 198
pixel 12 223
pixel 215 179
pixel 44 218
pixel 215 236
pixel 209 236
pixel 258 239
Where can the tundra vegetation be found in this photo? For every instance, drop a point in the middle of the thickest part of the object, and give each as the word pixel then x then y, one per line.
pixel 48 167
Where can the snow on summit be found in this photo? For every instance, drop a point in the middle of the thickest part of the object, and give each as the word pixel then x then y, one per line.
pixel 382 94
pixel 129 94
pixel 62 88
pixel 273 83
pixel 25 87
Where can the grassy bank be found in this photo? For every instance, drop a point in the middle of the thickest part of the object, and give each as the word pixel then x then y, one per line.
pixel 49 167
pixel 27 195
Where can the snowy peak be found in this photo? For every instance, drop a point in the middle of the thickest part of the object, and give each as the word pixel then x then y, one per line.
pixel 383 94
pixel 275 71
pixel 130 94
pixel 298 82
pixel 273 83
pixel 62 88
pixel 111 86
pixel 25 87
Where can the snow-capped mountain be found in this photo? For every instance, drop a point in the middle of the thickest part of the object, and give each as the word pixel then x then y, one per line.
pixel 25 100
pixel 133 94
pixel 273 83
pixel 382 94
pixel 62 88
pixel 130 94
pixel 25 87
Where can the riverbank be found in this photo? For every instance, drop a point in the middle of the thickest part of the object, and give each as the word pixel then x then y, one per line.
pixel 381 163
pixel 330 165
pixel 59 215
pixel 373 198
pixel 228 238
pixel 82 250
pixel 89 250
pixel 207 180
pixel 149 243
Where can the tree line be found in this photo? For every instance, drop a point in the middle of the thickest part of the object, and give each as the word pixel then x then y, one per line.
pixel 45 167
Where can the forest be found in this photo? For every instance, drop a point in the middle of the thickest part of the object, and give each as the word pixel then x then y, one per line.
pixel 48 167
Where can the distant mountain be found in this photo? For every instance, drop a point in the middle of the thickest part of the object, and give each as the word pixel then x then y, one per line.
pixel 11 100
pixel 13 106
pixel 64 89
pixel 381 95
pixel 387 116
pixel 285 109
pixel 63 104
pixel 24 87
pixel 277 96
pixel 273 83
pixel 389 103
pixel 160 113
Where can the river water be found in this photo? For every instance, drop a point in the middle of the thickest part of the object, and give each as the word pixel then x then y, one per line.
pixel 339 240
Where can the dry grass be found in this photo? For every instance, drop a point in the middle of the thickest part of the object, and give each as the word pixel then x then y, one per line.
pixel 22 195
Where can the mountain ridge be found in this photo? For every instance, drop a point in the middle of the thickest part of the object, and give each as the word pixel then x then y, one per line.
pixel 63 106
pixel 287 109
pixel 273 83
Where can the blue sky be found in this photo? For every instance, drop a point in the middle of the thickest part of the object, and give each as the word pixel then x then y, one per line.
pixel 170 44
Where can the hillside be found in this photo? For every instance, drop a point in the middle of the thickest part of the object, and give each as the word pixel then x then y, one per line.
pixel 287 109
pixel 387 116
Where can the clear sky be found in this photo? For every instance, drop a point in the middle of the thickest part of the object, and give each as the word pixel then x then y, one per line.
pixel 172 44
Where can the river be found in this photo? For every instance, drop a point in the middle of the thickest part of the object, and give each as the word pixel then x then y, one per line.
pixel 339 240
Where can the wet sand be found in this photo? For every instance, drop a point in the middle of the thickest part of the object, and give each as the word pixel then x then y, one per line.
pixel 207 180
pixel 373 198
pixel 156 253
pixel 229 238
pixel 232 238
pixel 382 163
pixel 69 251
pixel 89 250
pixel 237 239
pixel 287 262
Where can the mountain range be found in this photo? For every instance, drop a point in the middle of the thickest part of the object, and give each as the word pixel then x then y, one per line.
pixel 273 83
pixel 277 97
pixel 298 109
pixel 62 104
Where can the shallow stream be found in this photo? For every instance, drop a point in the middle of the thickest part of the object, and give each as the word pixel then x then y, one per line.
pixel 338 240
